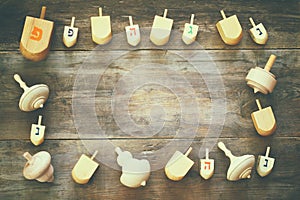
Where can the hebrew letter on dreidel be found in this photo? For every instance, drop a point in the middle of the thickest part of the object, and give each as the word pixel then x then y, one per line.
pixel 36 34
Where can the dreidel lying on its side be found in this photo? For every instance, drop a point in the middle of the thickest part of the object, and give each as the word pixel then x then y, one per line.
pixel 133 33
pixel 265 164
pixel 179 165
pixel 38 167
pixel 207 167
pixel 262 80
pixel 240 167
pixel 258 33
pixel 34 97
pixel 190 32
pixel 101 28
pixel 161 29
pixel 84 169
pixel 37 132
pixel 70 34
pixel 264 120
pixel 36 36
pixel 230 29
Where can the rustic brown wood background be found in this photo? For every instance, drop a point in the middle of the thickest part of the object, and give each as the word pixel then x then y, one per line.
pixel 282 20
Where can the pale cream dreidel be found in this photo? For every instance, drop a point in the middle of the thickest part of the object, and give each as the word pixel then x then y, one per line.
pixel 265 164
pixel 240 167
pixel 161 29
pixel 207 167
pixel 262 80
pixel 133 33
pixel 258 33
pixel 264 120
pixel 37 132
pixel 179 165
pixel 101 28
pixel 84 168
pixel 36 36
pixel 135 173
pixel 34 97
pixel 190 32
pixel 230 29
pixel 38 167
pixel 70 34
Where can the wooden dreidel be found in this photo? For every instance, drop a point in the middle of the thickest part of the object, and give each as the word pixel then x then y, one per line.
pixel 262 80
pixel 190 32
pixel 240 167
pixel 37 132
pixel 161 29
pixel 36 36
pixel 133 33
pixel 207 167
pixel 84 169
pixel 70 34
pixel 101 28
pixel 34 97
pixel 258 33
pixel 38 167
pixel 264 120
pixel 230 29
pixel 179 165
pixel 265 164
pixel 135 172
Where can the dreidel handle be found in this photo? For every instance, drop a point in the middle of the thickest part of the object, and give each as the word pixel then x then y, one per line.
pixel 100 11
pixel 192 19
pixel 43 12
pixel 72 22
pixel 20 81
pixel 165 13
pixel 28 157
pixel 252 22
pixel 188 151
pixel 206 154
pixel 258 104
pixel 270 62
pixel 118 150
pixel 227 152
pixel 268 152
pixel 40 120
pixel 130 20
pixel 94 155
pixel 223 14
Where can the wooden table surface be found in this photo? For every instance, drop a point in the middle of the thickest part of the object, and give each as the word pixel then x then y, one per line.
pixel 60 70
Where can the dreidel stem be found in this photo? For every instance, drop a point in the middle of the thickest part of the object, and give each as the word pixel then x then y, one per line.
pixel 21 82
pixel 118 150
pixel 270 62
pixel 100 11
pixel 227 152
pixel 165 13
pixel 40 120
pixel 188 151
pixel 94 155
pixel 192 19
pixel 206 154
pixel 130 20
pixel 28 157
pixel 43 12
pixel 223 14
pixel 267 152
pixel 258 104
pixel 72 22
pixel 251 21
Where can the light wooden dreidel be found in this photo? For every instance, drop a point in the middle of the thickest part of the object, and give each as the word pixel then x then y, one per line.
pixel 240 167
pixel 265 164
pixel 36 36
pixel 84 169
pixel 258 33
pixel 101 28
pixel 179 165
pixel 70 34
pixel 37 132
pixel 230 29
pixel 264 120
pixel 135 172
pixel 34 97
pixel 161 29
pixel 133 33
pixel 38 167
pixel 262 80
pixel 207 167
pixel 190 32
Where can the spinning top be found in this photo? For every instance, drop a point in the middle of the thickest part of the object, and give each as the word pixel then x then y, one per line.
pixel 240 167
pixel 135 172
pixel 38 167
pixel 70 34
pixel 207 167
pixel 258 33
pixel 101 28
pixel 179 165
pixel 262 80
pixel 190 32
pixel 33 97
pixel 265 164
pixel 133 33
pixel 37 132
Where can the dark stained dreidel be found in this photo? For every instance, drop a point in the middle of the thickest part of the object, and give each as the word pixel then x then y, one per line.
pixel 70 34
pixel 230 29
pixel 258 33
pixel 190 32
pixel 34 97
pixel 161 29
pixel 264 120
pixel 240 167
pixel 133 33
pixel 37 132
pixel 84 169
pixel 262 80
pixel 179 165
pixel 36 36
pixel 207 166
pixel 38 167
pixel 101 28
pixel 265 164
